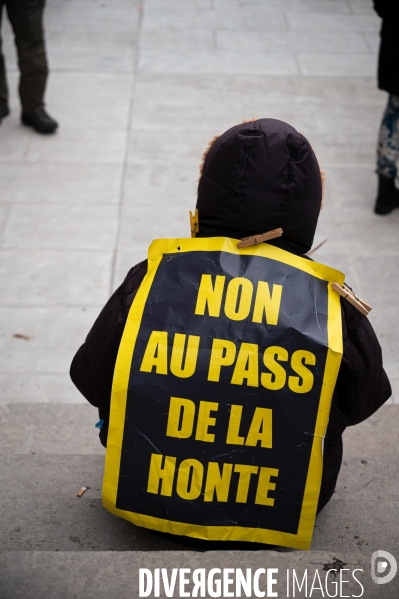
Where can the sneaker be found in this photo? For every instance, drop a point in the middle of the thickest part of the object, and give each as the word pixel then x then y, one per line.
pixel 387 197
pixel 40 120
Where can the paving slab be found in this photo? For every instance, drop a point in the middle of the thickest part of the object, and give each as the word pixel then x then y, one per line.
pixel 342 153
pixel 394 380
pixel 360 5
pixel 40 277
pixel 337 64
pixel 104 49
pixel 128 256
pixel 350 186
pixel 381 320
pixel 273 63
pixel 37 339
pixel 180 147
pixel 40 182
pixel 151 185
pixel 95 145
pixel 14 141
pixel 139 225
pixel 310 21
pixel 171 38
pixel 373 40
pixel 91 99
pixel 339 6
pixel 230 17
pixel 385 267
pixel 102 16
pixel 315 91
pixel 4 212
pixel 289 41
pixel 365 233
pixel 349 121
pixel 73 226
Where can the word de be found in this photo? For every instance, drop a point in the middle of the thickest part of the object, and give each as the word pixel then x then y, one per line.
pixel 182 413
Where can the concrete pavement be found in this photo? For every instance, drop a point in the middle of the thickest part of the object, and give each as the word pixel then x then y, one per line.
pixel 139 88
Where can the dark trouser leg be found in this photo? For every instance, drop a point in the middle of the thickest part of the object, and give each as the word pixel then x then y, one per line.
pixel 387 159
pixel 388 140
pixel 3 80
pixel 26 17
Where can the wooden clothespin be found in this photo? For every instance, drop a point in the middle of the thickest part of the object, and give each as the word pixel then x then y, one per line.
pixel 257 239
pixel 194 223
pixel 352 298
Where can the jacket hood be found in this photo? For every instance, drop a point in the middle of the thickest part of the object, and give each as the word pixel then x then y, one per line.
pixel 259 176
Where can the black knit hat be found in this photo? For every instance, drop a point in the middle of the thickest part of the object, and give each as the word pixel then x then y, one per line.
pixel 259 176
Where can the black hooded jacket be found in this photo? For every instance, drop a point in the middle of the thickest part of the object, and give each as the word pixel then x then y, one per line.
pixel 256 177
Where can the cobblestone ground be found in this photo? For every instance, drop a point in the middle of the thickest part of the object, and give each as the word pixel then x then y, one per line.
pixel 138 90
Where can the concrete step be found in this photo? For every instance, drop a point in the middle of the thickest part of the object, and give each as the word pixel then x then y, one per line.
pixel 47 476
pixel 38 494
pixel 69 428
pixel 39 486
pixel 75 524
pixel 63 475
pixel 105 575
pixel 376 436
pixel 49 429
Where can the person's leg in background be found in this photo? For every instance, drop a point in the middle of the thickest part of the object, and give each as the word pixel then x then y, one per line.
pixel 387 158
pixel 4 110
pixel 26 18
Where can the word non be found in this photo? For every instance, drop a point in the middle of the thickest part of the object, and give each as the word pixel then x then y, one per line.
pixel 238 300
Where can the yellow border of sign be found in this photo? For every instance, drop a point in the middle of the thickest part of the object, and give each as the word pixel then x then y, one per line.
pixel 302 540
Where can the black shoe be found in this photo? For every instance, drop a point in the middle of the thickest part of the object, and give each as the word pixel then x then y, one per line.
pixel 4 111
pixel 388 196
pixel 40 120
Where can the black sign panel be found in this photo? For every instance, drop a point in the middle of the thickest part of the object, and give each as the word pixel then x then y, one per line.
pixel 224 390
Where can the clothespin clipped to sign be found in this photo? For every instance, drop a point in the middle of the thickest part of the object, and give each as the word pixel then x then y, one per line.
pixel 194 223
pixel 352 298
pixel 257 239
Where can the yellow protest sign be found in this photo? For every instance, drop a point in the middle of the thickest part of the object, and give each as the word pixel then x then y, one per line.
pixel 222 391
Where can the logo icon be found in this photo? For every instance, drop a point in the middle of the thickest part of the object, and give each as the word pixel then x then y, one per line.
pixel 380 560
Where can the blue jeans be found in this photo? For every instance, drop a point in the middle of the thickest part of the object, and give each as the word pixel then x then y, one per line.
pixel 388 140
